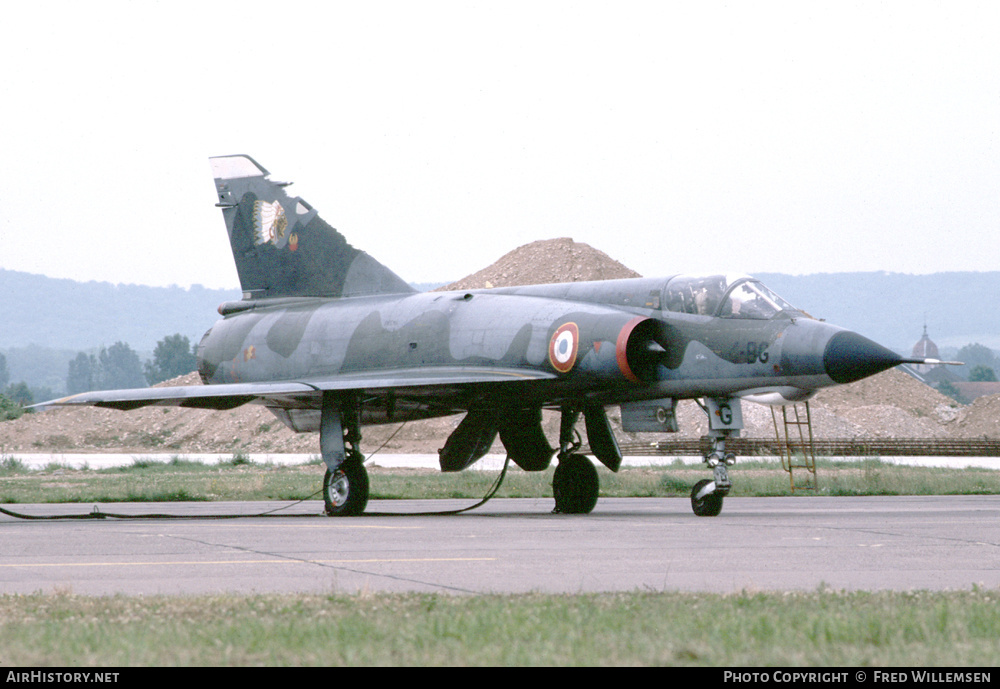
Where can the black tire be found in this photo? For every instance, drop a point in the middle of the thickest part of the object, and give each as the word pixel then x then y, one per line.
pixel 345 491
pixel 708 506
pixel 575 485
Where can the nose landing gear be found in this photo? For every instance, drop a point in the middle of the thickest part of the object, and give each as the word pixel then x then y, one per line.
pixel 725 420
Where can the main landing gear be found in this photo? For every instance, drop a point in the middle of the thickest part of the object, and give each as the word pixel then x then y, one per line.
pixel 345 485
pixel 725 419
pixel 345 490
pixel 575 484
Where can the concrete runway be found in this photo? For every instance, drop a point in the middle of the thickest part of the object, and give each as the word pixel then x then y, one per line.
pixel 512 545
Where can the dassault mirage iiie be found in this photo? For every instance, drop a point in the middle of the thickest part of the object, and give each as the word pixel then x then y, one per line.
pixel 329 340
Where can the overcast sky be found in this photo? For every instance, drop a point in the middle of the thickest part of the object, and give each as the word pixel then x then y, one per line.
pixel 796 137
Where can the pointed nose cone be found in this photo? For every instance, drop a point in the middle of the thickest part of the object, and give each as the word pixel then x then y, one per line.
pixel 849 357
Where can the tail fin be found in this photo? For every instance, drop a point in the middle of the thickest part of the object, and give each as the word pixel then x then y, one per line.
pixel 283 248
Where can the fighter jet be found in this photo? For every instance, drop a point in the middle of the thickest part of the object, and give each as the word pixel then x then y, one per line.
pixel 330 340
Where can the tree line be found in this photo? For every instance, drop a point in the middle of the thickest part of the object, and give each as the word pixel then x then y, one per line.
pixel 118 367
pixel 980 364
pixel 111 368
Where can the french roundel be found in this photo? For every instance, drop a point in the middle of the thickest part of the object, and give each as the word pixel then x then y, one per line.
pixel 563 347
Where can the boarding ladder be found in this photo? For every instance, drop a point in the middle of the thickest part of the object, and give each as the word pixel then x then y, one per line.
pixel 795 442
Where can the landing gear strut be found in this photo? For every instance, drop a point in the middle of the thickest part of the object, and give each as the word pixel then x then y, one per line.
pixel 345 485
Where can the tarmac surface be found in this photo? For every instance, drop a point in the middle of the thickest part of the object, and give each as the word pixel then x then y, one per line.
pixel 509 546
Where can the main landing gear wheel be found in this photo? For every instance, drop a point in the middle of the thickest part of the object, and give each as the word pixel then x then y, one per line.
pixel 708 505
pixel 575 485
pixel 345 491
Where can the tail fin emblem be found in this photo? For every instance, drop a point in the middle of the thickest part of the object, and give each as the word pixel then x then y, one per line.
pixel 283 248
pixel 269 222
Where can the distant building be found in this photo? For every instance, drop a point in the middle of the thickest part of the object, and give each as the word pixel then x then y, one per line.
pixel 925 349
pixel 936 374
pixel 930 374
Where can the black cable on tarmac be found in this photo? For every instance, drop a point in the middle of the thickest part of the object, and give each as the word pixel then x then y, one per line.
pixel 95 513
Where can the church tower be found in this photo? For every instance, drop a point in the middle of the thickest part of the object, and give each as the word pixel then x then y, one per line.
pixel 925 348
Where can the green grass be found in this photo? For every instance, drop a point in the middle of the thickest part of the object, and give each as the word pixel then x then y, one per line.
pixel 239 479
pixel 820 628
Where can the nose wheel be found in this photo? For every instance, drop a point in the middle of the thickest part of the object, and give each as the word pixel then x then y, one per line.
pixel 707 494
pixel 705 500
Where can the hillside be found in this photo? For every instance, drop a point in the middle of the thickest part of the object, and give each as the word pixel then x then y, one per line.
pixel 891 404
pixel 890 308
pixel 70 315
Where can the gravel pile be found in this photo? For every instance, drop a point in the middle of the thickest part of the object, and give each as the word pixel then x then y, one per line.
pixel 546 262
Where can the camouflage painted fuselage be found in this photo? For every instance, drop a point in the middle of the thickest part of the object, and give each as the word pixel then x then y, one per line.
pixel 616 347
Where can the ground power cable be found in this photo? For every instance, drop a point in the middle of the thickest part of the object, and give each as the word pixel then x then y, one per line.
pixel 96 513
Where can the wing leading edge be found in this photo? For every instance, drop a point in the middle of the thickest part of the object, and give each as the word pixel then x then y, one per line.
pixel 232 395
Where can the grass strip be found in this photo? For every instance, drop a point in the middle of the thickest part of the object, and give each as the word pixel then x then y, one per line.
pixel 819 628
pixel 181 480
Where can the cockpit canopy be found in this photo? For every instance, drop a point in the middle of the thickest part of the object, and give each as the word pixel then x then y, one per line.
pixel 724 296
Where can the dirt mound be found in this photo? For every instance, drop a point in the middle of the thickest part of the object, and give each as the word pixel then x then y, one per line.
pixel 545 262
pixel 981 419
pixel 894 388
pixel 869 408
pixel 152 429
pixel 891 404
